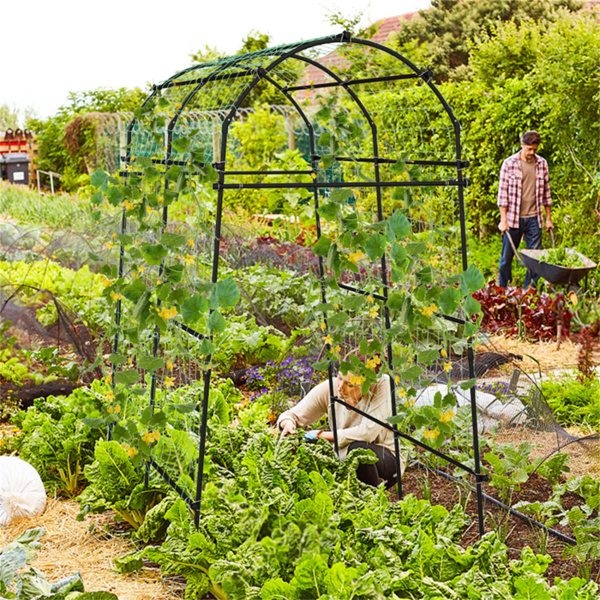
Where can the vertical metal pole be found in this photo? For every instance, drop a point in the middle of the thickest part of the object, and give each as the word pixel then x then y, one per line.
pixel 386 309
pixel 214 279
pixel 470 356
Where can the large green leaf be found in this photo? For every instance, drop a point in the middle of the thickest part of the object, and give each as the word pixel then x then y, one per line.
pixel 193 308
pixel 226 292
pixel 153 253
pixel 173 240
pixel 128 377
pixel 375 246
pixel 449 300
pixel 398 226
pixel 321 247
pixel 151 363
pixel 216 323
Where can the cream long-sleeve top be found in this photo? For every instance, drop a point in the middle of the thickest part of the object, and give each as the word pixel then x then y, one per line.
pixel 351 426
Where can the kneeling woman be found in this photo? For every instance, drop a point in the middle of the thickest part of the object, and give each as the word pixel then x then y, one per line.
pixel 353 430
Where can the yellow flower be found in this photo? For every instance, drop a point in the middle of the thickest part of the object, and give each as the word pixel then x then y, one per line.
pixel 401 392
pixel 109 396
pixel 444 353
pixel 354 257
pixel 131 452
pixel 430 434
pixel 190 242
pixel 447 416
pixel 116 296
pixel 189 259
pixel 323 326
pixel 169 382
pixel 356 380
pixel 370 299
pixel 328 339
pixel 150 436
pixel 447 367
pixel 373 362
pixel 167 313
pixel 373 312
pixel 169 364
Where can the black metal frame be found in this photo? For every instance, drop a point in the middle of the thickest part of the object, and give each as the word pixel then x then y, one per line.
pixel 260 74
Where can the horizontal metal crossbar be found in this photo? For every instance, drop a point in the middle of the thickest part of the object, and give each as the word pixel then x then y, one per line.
pixel 339 184
pixel 188 330
pixel 206 79
pixel 297 88
pixel 461 164
pixel 267 172
pixel 356 290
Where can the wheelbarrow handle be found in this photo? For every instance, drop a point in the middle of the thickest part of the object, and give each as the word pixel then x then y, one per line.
pixel 551 230
pixel 514 248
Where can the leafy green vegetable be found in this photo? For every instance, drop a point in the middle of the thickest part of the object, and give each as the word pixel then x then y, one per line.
pixel 563 257
pixel 116 484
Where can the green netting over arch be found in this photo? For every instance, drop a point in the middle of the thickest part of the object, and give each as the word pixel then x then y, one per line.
pixel 373 149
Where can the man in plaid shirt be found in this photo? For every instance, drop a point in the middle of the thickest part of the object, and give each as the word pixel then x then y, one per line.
pixel 524 189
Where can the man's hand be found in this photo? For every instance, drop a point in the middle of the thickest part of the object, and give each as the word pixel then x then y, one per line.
pixel 288 427
pixel 549 225
pixel 503 226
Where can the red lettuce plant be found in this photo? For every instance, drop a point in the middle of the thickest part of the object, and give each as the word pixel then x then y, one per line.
pixel 526 313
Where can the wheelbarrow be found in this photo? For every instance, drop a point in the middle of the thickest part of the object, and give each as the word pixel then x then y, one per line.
pixel 555 274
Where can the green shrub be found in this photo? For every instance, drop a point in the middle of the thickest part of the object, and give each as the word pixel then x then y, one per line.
pixel 572 401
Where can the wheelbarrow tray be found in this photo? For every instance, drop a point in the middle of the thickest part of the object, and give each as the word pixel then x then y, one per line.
pixel 557 274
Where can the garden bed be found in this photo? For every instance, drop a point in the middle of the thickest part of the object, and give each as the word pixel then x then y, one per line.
pixel 89 547
pixel 519 533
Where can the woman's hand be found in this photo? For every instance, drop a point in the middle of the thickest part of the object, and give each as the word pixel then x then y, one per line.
pixel 326 435
pixel 288 427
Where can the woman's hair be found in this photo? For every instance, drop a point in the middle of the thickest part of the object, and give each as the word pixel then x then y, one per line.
pixel 531 138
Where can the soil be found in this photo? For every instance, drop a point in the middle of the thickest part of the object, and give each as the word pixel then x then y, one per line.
pixel 519 532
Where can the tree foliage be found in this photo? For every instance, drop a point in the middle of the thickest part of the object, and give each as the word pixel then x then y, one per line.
pixel 69 155
pixel 542 76
pixel 9 117
pixel 441 36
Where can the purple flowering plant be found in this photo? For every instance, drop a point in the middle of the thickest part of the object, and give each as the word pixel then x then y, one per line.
pixel 293 376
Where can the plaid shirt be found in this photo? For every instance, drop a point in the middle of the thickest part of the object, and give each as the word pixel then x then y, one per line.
pixel 509 189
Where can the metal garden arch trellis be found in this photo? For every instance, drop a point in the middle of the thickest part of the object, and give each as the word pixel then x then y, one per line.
pixel 382 144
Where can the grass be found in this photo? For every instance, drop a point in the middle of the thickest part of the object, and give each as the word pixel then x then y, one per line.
pixel 55 212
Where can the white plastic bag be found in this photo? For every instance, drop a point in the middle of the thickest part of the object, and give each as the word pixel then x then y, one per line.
pixel 22 492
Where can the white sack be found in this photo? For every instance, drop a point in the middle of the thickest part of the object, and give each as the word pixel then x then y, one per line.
pixel 491 410
pixel 22 492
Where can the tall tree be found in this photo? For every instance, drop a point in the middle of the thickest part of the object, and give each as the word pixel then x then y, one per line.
pixel 441 36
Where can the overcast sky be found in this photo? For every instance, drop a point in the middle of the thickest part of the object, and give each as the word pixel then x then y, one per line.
pixel 53 47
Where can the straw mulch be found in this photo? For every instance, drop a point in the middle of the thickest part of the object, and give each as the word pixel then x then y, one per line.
pixel 88 547
pixel 584 457
pixel 547 354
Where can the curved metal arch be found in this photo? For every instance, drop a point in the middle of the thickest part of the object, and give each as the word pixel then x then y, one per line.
pixel 280 54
